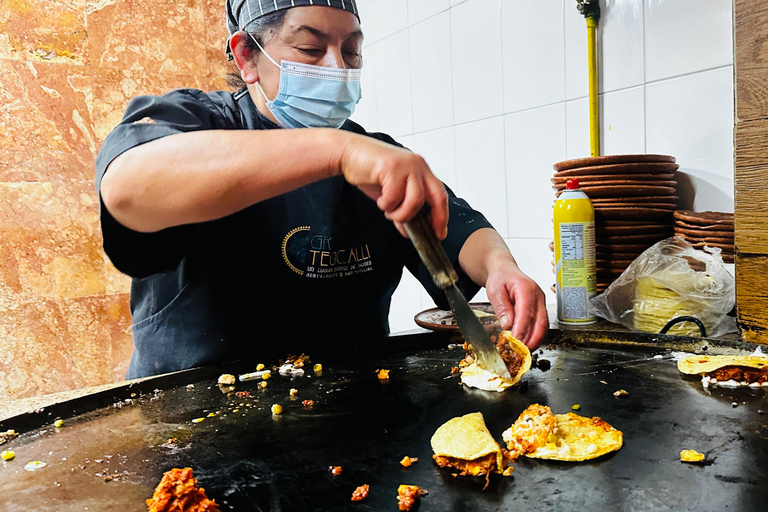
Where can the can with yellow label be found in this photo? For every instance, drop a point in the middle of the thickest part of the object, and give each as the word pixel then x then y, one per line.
pixel 575 269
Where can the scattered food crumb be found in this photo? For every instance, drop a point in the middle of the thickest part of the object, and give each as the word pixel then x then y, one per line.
pixel 734 404
pixel 658 356
pixel 293 392
pixel 603 382
pixel 408 497
pixel 360 493
pixel 263 385
pixel 335 470
pixel 7 454
pixel 308 403
pixel 58 423
pixel 197 420
pixel 455 370
pixel 243 394
pixel 34 465
pixel 190 386
pixel 266 376
pixel 544 365
pixel 7 436
pixel 383 374
pixel 211 414
pixel 407 461
pixel 318 368
pixel 760 411
pixel 170 443
pixel 277 409
pixel 508 471
pixel 576 407
pixel 621 392
pixel 178 491
pixel 227 379
pixel 691 456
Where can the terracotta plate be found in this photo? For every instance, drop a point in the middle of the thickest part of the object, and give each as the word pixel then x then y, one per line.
pixel 611 159
pixel 707 218
pixel 632 213
pixel 627 239
pixel 699 245
pixel 436 319
pixel 642 229
pixel 709 240
pixel 704 227
pixel 629 222
pixel 612 177
pixel 640 199
pixel 620 182
pixel 623 190
pixel 621 204
pixel 702 233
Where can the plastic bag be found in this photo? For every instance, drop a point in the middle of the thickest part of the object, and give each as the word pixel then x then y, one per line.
pixel 667 281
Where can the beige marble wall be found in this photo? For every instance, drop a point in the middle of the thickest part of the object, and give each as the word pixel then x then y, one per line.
pixel 67 70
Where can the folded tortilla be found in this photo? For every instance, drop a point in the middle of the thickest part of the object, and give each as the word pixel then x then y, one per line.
pixel 697 365
pixel 466 438
pixel 476 376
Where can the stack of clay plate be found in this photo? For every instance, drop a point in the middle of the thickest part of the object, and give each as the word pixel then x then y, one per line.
pixel 634 197
pixel 712 229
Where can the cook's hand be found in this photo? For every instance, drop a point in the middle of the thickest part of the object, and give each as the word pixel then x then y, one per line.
pixel 519 304
pixel 399 181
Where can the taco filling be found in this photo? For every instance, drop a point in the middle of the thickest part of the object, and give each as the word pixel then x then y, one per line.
pixel 733 371
pixel 516 357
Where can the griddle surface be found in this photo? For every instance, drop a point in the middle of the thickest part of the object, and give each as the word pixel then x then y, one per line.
pixel 254 461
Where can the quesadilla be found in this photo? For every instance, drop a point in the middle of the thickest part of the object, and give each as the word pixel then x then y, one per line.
pixel 539 434
pixel 517 359
pixel 464 443
pixel 728 371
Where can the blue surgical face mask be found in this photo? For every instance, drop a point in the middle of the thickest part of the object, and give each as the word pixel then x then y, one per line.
pixel 313 96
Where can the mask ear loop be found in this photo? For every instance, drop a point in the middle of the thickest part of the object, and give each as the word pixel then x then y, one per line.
pixel 258 85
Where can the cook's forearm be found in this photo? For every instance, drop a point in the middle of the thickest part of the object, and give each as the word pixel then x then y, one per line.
pixel 483 253
pixel 206 175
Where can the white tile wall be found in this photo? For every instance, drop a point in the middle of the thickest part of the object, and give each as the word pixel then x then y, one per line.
pixel 431 84
pixel 480 170
pixel 534 53
pixel 686 36
pixel 535 139
pixel 493 92
pixel 477 70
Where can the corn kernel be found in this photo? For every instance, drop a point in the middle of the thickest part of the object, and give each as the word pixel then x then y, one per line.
pixel 277 409
pixel 318 367
pixel 576 407
pixel 294 392
pixel 263 384
pixel 211 414
pixel 259 367
pixel 551 438
pixel 7 455
pixel 266 376
pixel 197 420
pixel 58 423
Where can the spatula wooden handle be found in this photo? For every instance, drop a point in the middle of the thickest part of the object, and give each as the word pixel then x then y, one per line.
pixel 431 251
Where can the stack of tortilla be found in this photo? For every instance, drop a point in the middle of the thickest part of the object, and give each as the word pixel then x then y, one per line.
pixel 707 229
pixel 633 196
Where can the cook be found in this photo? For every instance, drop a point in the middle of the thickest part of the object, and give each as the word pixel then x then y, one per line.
pixel 268 215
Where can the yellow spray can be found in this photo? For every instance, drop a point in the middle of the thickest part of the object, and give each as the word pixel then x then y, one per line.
pixel 575 269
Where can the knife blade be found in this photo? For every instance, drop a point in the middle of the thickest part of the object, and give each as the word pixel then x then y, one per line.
pixel 431 252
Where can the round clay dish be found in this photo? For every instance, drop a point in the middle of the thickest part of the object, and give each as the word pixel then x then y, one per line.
pixel 699 245
pixel 619 182
pixel 611 159
pixel 437 319
pixel 621 204
pixel 633 230
pixel 705 227
pixel 632 213
pixel 640 199
pixel 702 233
pixel 707 218
pixel 622 190
pixel 610 177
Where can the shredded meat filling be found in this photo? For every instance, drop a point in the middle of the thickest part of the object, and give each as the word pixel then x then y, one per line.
pixel 740 374
pixel 407 497
pixel 512 359
pixel 475 467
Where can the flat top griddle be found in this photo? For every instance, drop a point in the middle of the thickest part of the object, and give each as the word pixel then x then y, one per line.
pixel 253 461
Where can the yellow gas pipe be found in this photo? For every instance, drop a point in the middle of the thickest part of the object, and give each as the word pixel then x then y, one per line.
pixel 591 11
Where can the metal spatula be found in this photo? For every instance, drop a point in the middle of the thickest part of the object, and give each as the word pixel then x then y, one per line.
pixel 433 255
